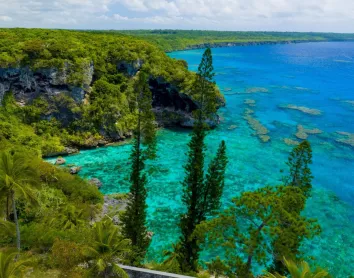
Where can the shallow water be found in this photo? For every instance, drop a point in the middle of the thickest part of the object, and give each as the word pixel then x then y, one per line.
pixel 313 75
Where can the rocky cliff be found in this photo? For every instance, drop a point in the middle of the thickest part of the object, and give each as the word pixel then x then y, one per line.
pixel 76 89
pixel 27 84
pixel 172 107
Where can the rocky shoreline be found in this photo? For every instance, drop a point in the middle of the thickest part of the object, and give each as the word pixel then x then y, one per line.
pixel 233 44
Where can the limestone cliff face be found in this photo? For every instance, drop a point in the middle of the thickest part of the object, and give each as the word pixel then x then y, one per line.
pixel 27 84
pixel 172 107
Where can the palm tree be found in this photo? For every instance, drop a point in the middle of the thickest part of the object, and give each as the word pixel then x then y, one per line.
pixel 172 263
pixel 7 227
pixel 107 249
pixel 301 270
pixel 16 178
pixel 10 265
pixel 69 217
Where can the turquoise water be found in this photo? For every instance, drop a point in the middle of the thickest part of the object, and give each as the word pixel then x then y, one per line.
pixel 314 75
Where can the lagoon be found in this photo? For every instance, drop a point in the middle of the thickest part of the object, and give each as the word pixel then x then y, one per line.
pixel 292 92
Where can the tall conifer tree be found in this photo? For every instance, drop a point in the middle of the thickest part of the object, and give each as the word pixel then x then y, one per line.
pixel 298 162
pixel 200 195
pixel 144 146
pixel 287 243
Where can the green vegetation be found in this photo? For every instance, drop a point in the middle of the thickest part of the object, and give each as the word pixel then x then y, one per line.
pixel 201 195
pixel 9 266
pixel 94 71
pixel 108 245
pixel 287 243
pixel 16 178
pixel 242 232
pixel 301 270
pixel 172 40
pixel 57 221
pixel 62 209
pixel 134 218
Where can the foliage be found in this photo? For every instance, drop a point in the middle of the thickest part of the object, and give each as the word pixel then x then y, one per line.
pixel 172 40
pixel 11 266
pixel 254 219
pixel 172 263
pixel 204 88
pixel 67 255
pixel 109 107
pixel 288 242
pixel 215 179
pixel 134 218
pixel 69 217
pixel 108 246
pixel 16 178
pixel 298 162
pixel 301 270
pixel 201 195
pixel 60 229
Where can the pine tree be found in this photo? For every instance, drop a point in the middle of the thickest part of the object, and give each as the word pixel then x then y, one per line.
pixel 298 162
pixel 201 194
pixel 204 88
pixel 244 230
pixel 144 147
pixel 192 196
pixel 288 242
pixel 214 184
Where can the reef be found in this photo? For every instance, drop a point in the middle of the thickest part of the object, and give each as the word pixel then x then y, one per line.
pixel 303 109
pixel 227 89
pixel 261 131
pixel 250 102
pixel 350 102
pixel 254 90
pixel 291 142
pixel 303 133
pixel 348 138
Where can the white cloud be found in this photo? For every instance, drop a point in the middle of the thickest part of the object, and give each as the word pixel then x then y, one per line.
pixel 5 18
pixel 119 17
pixel 283 15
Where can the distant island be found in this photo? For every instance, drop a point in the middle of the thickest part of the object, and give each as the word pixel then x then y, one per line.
pixel 173 40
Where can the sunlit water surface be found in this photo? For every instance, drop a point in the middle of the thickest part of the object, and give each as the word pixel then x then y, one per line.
pixel 313 75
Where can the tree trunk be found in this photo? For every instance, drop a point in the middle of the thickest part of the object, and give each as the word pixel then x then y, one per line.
pixel 18 236
pixel 250 256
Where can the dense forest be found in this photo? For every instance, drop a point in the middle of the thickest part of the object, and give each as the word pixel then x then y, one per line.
pixel 171 40
pixel 75 89
pixel 68 89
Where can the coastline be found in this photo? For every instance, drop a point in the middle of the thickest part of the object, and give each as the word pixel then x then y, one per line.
pixel 250 43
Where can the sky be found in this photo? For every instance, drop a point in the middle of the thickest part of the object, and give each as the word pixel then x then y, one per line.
pixel 235 15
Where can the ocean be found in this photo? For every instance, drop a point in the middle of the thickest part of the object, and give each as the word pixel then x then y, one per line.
pixel 285 92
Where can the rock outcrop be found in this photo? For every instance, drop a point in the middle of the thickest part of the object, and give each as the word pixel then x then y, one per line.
pixel 57 87
pixel 130 68
pixel 96 182
pixel 65 151
pixel 60 161
pixel 75 170
pixel 173 108
pixel 27 84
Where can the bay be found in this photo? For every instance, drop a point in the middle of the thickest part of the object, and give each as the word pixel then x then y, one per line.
pixel 296 90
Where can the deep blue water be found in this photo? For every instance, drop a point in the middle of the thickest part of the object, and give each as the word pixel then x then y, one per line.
pixel 314 75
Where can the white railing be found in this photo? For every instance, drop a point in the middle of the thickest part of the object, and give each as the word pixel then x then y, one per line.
pixel 135 272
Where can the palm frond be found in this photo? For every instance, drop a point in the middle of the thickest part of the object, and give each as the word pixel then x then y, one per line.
pixel 119 271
